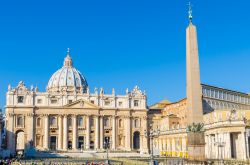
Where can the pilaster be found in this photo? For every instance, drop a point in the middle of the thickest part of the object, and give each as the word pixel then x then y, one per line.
pixel 128 133
pixel 87 132
pixel 46 132
pixel 101 132
pixel 97 131
pixel 65 133
pixel 74 140
pixel 60 132
pixel 30 133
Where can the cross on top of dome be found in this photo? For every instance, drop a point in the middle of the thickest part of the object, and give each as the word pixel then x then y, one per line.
pixel 68 60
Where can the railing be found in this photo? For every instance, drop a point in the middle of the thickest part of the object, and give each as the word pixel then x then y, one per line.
pixel 179 154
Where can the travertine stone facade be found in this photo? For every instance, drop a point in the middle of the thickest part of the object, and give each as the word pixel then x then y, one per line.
pixel 68 117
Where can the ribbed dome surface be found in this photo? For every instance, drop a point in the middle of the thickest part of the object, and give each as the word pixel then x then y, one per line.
pixel 67 79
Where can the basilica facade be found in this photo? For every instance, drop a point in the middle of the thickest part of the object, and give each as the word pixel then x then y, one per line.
pixel 68 117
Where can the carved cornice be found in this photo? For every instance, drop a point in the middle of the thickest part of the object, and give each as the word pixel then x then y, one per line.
pixel 11 114
pixel 30 114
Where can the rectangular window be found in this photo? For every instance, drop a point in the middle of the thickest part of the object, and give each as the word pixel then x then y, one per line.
pixel 53 101
pixel 39 101
pixel 70 101
pixel 136 103
pixel 120 104
pixel 20 99
pixel 107 103
pixel 92 101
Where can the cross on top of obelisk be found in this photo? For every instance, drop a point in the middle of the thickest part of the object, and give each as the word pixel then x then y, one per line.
pixel 190 16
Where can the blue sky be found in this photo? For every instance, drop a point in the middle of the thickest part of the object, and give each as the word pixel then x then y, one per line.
pixel 123 43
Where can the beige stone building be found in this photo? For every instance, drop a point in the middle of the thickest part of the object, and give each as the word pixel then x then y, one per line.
pixel 68 117
pixel 224 113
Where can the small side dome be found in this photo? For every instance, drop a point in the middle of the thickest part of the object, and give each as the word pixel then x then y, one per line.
pixel 67 79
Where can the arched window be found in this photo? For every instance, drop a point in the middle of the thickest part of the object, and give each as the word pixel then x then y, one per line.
pixel 70 122
pixel 53 121
pixel 137 123
pixel 19 121
pixel 80 121
pixel 106 122
pixel 38 122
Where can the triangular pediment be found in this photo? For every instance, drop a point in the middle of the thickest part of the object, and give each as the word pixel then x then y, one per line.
pixel 82 104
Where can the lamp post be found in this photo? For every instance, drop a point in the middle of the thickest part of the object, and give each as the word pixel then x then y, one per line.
pixel 106 144
pixel 151 134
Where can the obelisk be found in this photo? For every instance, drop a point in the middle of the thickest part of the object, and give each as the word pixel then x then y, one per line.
pixel 195 139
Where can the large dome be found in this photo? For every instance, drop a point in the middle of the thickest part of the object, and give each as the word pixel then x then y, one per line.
pixel 67 79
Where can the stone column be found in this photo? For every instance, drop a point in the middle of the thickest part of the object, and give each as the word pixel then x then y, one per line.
pixel 216 147
pixel 97 131
pixel 173 144
pixel 228 146
pixel 101 132
pixel 30 133
pixel 247 145
pixel 184 144
pixel 46 132
pixel 114 133
pixel 10 133
pixel 160 144
pixel 74 142
pixel 243 145
pixel 65 133
pixel 208 146
pixel 128 134
pixel 87 133
pixel 60 132
pixel 168 145
pixel 164 144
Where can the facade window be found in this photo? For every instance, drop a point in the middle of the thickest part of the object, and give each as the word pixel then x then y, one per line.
pixel 136 103
pixel 39 101
pixel 92 122
pixel 208 93
pixel 38 139
pixel 19 121
pixel 38 122
pixel 220 95
pixel 120 140
pixel 20 99
pixel 216 94
pixel 70 101
pixel 80 121
pixel 205 92
pixel 120 123
pixel 53 101
pixel 70 122
pixel 106 122
pixel 106 103
pixel 224 96
pixel 53 121
pixel 120 103
pixel 137 123
pixel 92 101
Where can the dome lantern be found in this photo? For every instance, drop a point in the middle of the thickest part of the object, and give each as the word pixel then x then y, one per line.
pixel 68 60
